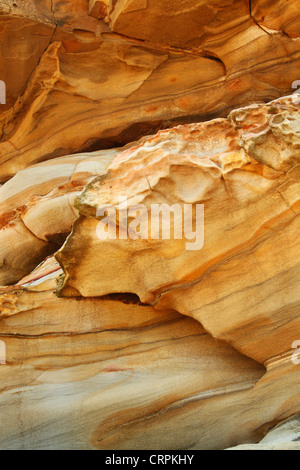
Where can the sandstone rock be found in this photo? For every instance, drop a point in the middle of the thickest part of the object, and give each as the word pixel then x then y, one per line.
pixel 137 340
pixel 285 436
pixel 82 356
pixel 36 210
pixel 113 373
pixel 27 29
pixel 245 170
pixel 284 17
pixel 208 21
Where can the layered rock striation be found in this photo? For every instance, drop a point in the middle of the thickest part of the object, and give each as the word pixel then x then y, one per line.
pixel 133 68
pixel 100 336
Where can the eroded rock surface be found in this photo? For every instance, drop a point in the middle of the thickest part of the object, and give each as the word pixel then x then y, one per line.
pixel 285 436
pixel 113 373
pixel 245 170
pixel 140 341
pixel 105 365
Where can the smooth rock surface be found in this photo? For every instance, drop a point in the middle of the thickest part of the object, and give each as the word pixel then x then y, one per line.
pixel 123 362
pixel 285 436
pixel 37 210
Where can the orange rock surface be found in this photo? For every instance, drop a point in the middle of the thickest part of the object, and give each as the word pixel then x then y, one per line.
pixel 117 332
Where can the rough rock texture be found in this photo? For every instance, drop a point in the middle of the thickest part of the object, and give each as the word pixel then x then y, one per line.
pixel 135 68
pixel 285 436
pixel 145 342
pixel 37 209
pixel 80 372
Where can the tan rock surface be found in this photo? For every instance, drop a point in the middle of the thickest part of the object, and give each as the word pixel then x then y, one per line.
pixel 284 17
pixel 82 356
pixel 245 170
pixel 285 436
pixel 94 83
pixel 28 27
pixel 112 373
pixel 139 342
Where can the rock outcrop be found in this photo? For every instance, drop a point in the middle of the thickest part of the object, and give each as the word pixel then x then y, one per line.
pixel 123 75
pixel 98 371
pixel 285 436
pixel 245 170
pixel 89 351
pixel 113 373
pixel 149 225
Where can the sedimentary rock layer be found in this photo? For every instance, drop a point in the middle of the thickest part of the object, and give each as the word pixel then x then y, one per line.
pixel 245 170
pixel 107 373
pixel 285 436
pixel 37 210
pixel 135 70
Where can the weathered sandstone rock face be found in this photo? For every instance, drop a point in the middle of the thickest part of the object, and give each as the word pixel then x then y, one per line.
pixel 37 209
pixel 121 328
pixel 245 170
pixel 89 369
pixel 112 373
pixel 106 371
pixel 135 68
